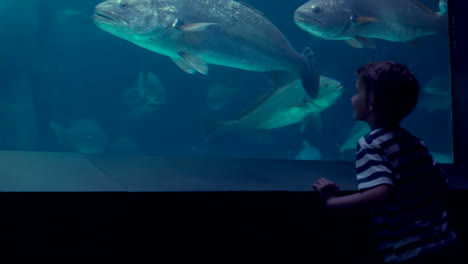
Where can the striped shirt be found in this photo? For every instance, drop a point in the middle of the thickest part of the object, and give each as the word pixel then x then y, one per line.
pixel 414 219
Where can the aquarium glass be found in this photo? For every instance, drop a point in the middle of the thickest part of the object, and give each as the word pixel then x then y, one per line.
pixel 70 86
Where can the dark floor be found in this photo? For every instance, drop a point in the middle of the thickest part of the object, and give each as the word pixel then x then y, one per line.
pixel 262 226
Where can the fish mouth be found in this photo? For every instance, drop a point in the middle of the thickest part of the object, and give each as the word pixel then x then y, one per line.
pixel 300 18
pixel 104 18
pixel 307 20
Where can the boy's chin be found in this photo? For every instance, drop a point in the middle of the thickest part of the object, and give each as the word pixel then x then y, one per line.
pixel 358 118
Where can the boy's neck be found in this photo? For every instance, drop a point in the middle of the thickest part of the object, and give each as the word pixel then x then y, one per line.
pixel 375 122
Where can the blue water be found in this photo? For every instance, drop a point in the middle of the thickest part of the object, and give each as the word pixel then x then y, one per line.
pixel 77 71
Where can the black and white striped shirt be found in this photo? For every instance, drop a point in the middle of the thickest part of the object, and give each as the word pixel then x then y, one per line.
pixel 414 218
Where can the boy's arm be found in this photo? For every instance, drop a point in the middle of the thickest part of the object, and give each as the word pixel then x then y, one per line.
pixel 366 198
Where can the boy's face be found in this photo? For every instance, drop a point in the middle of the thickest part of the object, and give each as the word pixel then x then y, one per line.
pixel 360 103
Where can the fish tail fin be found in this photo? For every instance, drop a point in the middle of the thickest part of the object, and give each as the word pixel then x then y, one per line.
pixel 443 7
pixel 213 128
pixel 309 77
pixel 442 15
pixel 58 131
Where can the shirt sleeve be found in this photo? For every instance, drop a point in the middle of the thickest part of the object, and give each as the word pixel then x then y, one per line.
pixel 372 166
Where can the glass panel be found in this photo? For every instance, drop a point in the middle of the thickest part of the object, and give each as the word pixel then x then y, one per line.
pixel 71 86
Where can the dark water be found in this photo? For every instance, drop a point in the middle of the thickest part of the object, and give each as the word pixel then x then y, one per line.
pixel 77 71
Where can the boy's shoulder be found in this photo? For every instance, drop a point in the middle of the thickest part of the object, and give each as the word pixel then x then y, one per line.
pixel 385 137
pixel 377 137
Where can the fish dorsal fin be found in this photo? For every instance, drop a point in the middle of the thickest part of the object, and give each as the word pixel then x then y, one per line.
pixel 276 83
pixel 423 7
pixel 252 8
pixel 283 80
pixel 266 95
pixel 260 99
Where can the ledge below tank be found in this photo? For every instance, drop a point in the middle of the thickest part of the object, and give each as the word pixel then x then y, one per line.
pixel 63 172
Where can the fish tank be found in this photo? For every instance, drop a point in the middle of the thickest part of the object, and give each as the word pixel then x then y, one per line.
pixel 254 82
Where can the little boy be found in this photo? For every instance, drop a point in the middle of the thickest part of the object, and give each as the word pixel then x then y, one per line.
pixel 398 180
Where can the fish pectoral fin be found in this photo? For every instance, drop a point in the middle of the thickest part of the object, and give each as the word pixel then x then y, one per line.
pixel 355 43
pixel 196 63
pixel 195 27
pixel 359 42
pixel 363 20
pixel 316 121
pixel 183 65
pixel 366 41
pixel 304 124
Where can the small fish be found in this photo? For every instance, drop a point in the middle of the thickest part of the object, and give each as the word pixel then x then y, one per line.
pixel 357 131
pixel 147 96
pixel 83 136
pixel 218 95
pixel 440 84
pixel 432 102
pixel 123 145
pixel 66 15
pixel 277 108
pixel 308 152
pixel 436 94
pixel 358 21
pixel 195 33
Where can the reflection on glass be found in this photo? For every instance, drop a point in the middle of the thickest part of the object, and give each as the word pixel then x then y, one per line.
pixel 216 78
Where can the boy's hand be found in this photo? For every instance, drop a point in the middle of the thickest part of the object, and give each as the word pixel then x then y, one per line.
pixel 327 189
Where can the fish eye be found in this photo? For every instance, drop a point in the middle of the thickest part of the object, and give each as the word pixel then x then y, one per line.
pixel 123 5
pixel 316 9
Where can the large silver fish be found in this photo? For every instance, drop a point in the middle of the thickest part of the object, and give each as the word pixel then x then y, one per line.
pixel 281 107
pixel 195 33
pixel 358 20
